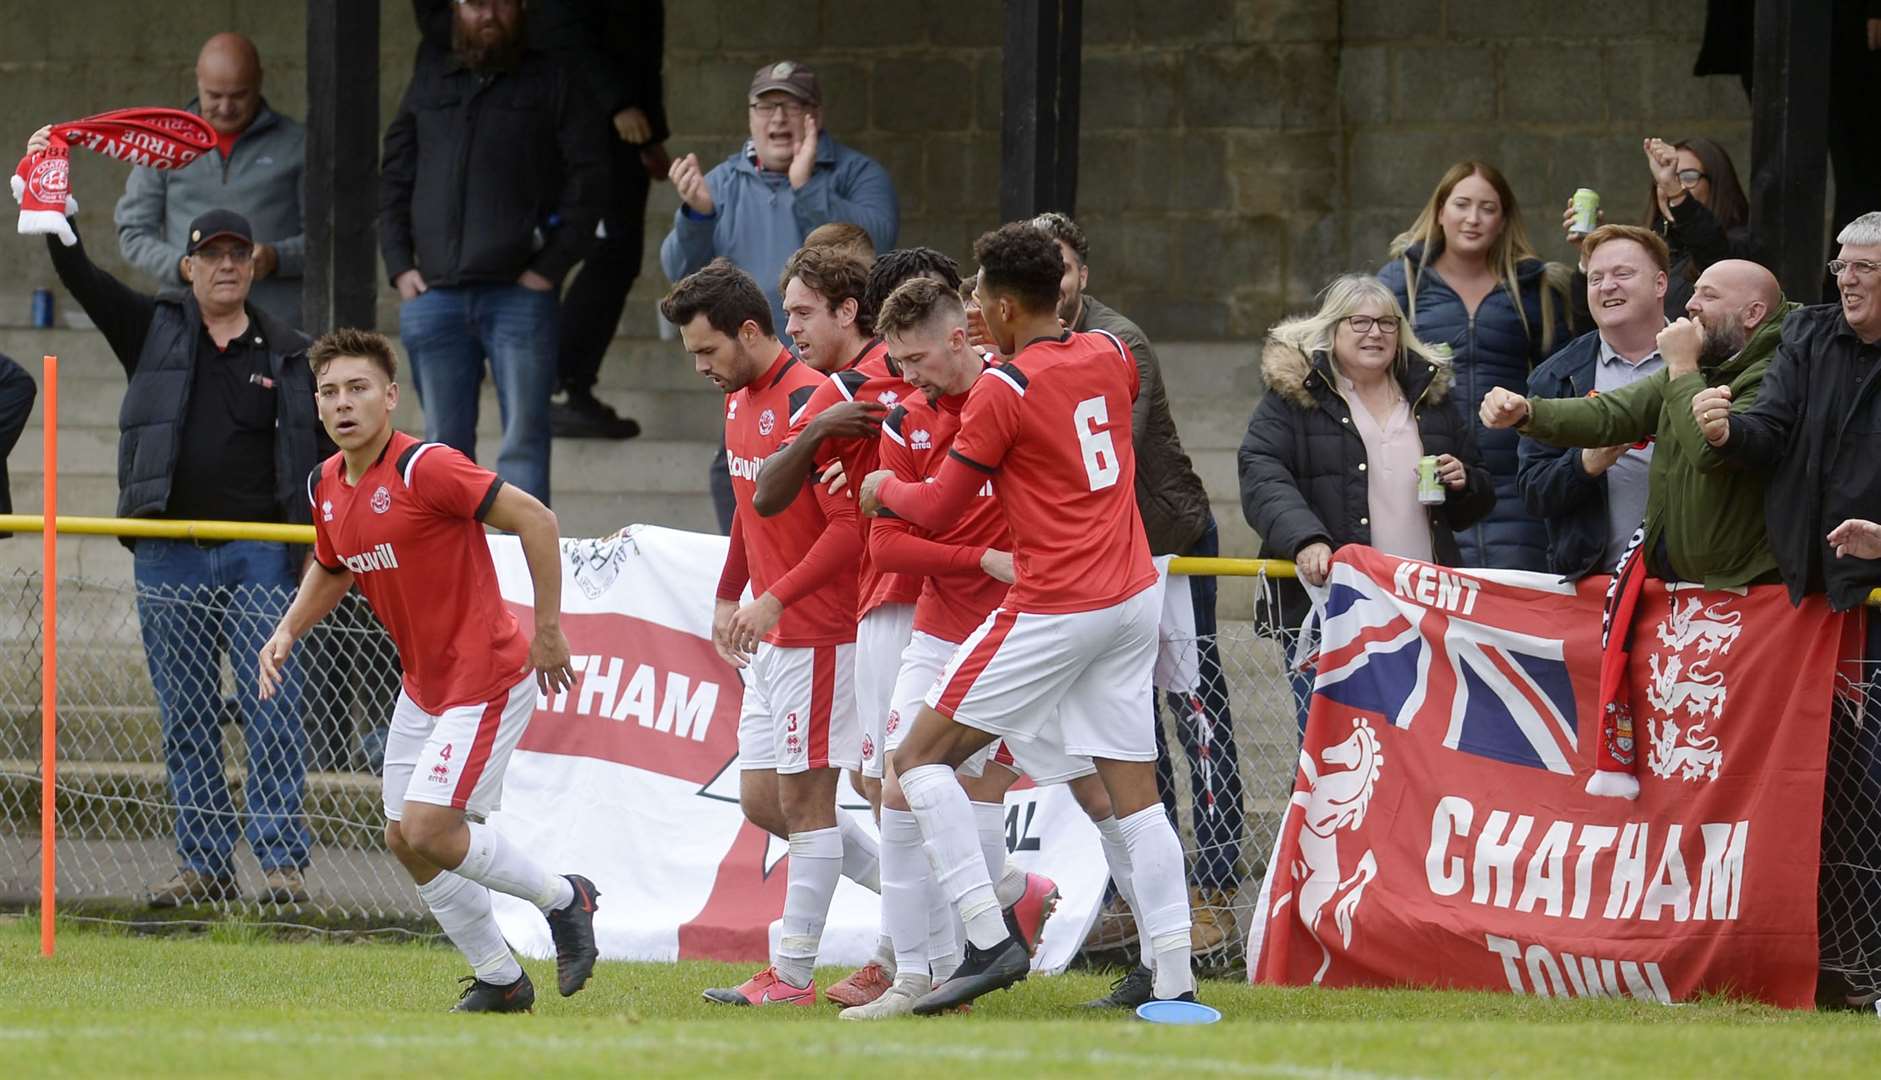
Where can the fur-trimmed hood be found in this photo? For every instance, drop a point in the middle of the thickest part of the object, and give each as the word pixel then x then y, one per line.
pixel 1285 370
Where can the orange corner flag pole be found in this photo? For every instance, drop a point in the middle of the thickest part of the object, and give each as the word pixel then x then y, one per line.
pixel 49 672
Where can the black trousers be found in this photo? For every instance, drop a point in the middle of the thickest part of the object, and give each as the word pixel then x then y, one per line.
pixel 592 305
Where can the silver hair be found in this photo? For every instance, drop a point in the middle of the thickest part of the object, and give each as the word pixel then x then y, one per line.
pixel 1864 231
pixel 1345 295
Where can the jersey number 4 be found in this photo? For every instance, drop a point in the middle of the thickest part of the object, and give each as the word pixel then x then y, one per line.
pixel 1100 454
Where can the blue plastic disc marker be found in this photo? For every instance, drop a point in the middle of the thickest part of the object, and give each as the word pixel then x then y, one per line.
pixel 1177 1012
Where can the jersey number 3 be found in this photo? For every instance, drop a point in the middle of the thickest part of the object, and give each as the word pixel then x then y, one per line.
pixel 1100 454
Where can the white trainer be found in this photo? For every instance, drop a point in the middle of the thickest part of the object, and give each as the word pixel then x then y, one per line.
pixel 897 1000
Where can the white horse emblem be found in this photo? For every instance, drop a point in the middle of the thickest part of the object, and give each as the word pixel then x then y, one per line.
pixel 1338 800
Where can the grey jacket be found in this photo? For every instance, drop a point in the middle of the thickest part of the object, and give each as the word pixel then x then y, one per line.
pixel 261 180
pixel 1169 494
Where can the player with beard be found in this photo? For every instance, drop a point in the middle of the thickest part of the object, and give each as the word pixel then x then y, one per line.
pixel 796 641
pixel 1702 524
pixel 964 568
pixel 404 520
pixel 831 299
pixel 1067 658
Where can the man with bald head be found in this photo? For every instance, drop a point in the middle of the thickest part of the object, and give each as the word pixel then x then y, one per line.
pixel 256 173
pixel 1703 524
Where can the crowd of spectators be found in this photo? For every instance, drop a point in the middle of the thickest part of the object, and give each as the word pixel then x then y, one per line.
pixel 1660 384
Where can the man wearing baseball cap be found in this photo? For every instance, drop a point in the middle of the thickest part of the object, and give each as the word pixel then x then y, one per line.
pixel 757 205
pixel 219 424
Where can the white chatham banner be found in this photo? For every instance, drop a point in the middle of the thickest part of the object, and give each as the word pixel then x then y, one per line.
pixel 631 778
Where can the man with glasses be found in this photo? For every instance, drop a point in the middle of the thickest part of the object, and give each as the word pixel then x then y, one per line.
pixel 1594 499
pixel 1813 428
pixel 218 423
pixel 757 206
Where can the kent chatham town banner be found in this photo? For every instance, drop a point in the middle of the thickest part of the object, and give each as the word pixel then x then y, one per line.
pixel 1439 833
pixel 631 778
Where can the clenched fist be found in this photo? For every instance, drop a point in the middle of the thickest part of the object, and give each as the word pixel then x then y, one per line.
pixel 1711 408
pixel 1503 408
pixel 1680 343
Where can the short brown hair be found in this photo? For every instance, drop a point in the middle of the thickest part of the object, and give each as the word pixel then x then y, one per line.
pixel 1654 244
pixel 727 297
pixel 843 236
pixel 831 273
pixel 347 341
pixel 914 302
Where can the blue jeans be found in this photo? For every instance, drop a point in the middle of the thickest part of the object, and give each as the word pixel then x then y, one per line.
pixel 195 606
pixel 1206 729
pixel 448 332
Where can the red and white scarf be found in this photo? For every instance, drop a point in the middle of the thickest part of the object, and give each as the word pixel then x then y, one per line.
pixel 1616 758
pixel 158 138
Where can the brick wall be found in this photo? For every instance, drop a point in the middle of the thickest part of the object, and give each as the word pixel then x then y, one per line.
pixel 1235 152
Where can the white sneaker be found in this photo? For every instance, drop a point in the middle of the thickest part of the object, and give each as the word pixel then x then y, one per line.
pixel 897 1000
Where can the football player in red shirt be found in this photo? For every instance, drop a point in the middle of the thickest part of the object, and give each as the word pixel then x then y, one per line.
pixel 1067 658
pixel 404 520
pixel 796 641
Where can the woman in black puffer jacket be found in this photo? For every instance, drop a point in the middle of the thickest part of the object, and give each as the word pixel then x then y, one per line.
pixel 1468 277
pixel 1351 375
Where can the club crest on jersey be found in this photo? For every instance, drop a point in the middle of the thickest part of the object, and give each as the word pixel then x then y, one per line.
pixel 595 564
pixel 381 500
pixel 326 510
pixel 766 421
pixel 919 439
pixel 889 398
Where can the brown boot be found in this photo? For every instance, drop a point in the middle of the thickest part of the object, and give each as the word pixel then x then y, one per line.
pixel 191 887
pixel 283 885
pixel 1211 919
pixel 1115 927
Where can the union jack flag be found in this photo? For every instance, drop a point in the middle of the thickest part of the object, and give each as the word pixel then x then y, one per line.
pixel 1501 691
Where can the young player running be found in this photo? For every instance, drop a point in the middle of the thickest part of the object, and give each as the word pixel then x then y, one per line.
pixel 404 520
pixel 1067 658
pixel 797 729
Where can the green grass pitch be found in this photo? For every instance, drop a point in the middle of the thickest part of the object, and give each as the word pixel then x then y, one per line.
pixel 238 1002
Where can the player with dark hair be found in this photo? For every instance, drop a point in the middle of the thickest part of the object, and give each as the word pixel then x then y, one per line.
pixel 796 641
pixel 1066 659
pixel 404 520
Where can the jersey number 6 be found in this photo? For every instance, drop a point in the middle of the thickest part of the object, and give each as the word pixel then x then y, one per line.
pixel 1100 454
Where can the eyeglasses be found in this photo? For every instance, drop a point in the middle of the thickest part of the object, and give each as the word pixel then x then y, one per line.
pixel 1688 178
pixel 788 107
pixel 1363 324
pixel 236 255
pixel 1862 267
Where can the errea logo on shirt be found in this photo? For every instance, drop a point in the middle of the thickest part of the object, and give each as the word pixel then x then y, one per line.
pixel 889 398
pixel 380 557
pixel 919 439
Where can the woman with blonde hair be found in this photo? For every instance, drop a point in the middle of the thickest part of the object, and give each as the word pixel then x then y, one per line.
pixel 1353 400
pixel 1467 276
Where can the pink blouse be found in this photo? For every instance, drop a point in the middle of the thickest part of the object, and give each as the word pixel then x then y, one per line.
pixel 1399 523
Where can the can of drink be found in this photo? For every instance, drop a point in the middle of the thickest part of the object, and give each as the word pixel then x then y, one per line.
pixel 1429 489
pixel 42 308
pixel 1586 211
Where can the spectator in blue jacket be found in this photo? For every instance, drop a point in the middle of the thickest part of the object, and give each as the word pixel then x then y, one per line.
pixel 1467 276
pixel 757 206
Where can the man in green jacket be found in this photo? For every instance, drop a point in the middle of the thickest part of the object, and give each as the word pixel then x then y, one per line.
pixel 1702 524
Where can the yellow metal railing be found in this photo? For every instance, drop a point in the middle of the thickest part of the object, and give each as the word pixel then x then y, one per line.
pixel 160 528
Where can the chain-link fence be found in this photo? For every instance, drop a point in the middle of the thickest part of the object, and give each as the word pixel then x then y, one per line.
pixel 217 796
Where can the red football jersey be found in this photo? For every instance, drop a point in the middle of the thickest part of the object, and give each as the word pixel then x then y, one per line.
pixel 756 420
pixel 1053 425
pixel 411 532
pixel 868 379
pixel 915 441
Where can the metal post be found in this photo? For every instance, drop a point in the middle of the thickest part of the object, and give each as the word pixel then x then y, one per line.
pixel 1038 142
pixel 342 171
pixel 1790 139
